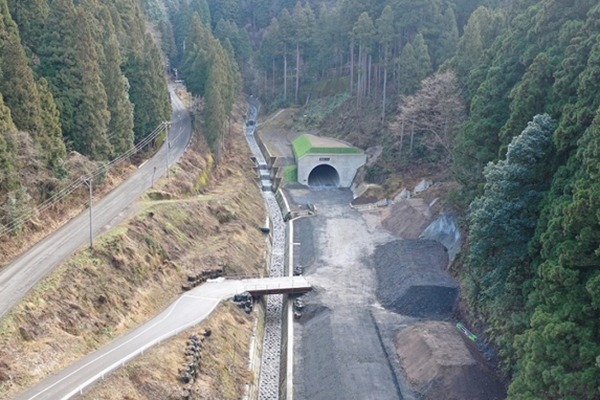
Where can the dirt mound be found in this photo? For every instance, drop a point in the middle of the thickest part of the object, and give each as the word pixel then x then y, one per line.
pixel 440 365
pixel 412 280
pixel 407 218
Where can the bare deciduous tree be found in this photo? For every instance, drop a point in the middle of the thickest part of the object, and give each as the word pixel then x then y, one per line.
pixel 437 110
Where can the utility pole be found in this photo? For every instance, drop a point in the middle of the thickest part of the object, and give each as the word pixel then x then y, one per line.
pixel 168 144
pixel 88 183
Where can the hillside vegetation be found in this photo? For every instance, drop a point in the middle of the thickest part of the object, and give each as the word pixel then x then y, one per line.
pixel 198 220
pixel 82 83
pixel 501 96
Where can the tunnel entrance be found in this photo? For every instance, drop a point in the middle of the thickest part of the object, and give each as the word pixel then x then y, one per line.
pixel 324 176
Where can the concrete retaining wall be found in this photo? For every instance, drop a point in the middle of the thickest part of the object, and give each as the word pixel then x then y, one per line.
pixel 255 352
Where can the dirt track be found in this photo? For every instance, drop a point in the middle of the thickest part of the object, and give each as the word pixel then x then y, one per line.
pixel 339 354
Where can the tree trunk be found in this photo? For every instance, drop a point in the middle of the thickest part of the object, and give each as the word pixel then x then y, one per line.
pixel 401 136
pixel 358 76
pixel 297 72
pixel 273 77
pixel 369 74
pixel 351 66
pixel 384 94
pixel 412 136
pixel 285 73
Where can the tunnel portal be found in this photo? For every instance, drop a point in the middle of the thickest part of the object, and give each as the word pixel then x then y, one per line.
pixel 324 176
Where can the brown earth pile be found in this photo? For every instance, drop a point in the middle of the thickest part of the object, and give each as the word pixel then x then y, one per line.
pixel 207 217
pixel 407 218
pixel 441 365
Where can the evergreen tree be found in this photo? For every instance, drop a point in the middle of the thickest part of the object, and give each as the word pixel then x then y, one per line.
pixel 18 81
pixel 144 69
pixel 9 180
pixel 228 10
pixel 385 33
pixel 447 42
pixel 180 15
pixel 408 70
pixel 196 63
pixel 70 62
pixel 120 126
pixel 270 55
pixel 502 222
pixel 482 28
pixel 529 96
pixel 286 42
pixel 30 16
pixel 91 108
pixel 303 29
pixel 51 140
pixel 363 34
pixel 240 41
pixel 214 113
pixel 424 66
pixel 558 353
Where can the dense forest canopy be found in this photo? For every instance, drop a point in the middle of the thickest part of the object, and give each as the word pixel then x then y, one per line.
pixel 504 94
pixel 77 77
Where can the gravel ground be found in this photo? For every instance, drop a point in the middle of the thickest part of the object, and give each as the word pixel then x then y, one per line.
pixel 350 346
pixel 412 278
pixel 339 354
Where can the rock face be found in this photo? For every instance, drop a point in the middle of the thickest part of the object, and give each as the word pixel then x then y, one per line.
pixel 423 186
pixel 445 230
pixel 440 364
pixel 412 279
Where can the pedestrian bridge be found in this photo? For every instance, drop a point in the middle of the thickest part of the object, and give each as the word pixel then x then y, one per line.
pixel 279 285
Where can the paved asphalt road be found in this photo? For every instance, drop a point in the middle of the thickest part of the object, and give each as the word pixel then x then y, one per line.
pixel 191 308
pixel 21 275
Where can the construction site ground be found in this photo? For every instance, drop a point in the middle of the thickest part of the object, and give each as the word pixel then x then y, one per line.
pixel 347 345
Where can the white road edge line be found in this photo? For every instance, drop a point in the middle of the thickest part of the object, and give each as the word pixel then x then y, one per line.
pixel 170 311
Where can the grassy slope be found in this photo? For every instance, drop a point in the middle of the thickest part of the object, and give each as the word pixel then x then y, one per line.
pixel 206 217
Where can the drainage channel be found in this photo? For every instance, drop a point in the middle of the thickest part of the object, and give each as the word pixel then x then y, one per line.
pixel 268 388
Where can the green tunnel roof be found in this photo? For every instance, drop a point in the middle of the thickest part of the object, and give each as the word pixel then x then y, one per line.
pixel 311 144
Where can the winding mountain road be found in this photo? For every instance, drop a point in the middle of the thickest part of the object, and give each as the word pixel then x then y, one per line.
pixel 188 310
pixel 21 275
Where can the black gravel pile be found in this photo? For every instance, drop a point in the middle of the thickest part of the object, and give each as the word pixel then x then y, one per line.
pixel 412 279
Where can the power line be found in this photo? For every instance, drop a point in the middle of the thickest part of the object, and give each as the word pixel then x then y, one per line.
pixel 74 185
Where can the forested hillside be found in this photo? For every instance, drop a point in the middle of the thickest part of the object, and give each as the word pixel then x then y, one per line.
pixel 533 269
pixel 502 96
pixel 502 93
pixel 78 79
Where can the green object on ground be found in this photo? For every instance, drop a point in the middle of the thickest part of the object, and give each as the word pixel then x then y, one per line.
pixel 467 332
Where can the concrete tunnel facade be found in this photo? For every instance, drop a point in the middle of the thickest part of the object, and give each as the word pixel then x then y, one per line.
pixel 326 162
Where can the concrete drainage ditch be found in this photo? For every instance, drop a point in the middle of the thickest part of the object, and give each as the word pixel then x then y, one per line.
pixel 270 366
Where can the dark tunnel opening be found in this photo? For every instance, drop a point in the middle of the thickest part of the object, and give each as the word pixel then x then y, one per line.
pixel 324 176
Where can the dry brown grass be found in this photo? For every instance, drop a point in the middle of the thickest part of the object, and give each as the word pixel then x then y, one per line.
pixel 223 366
pixel 138 268
pixel 40 183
